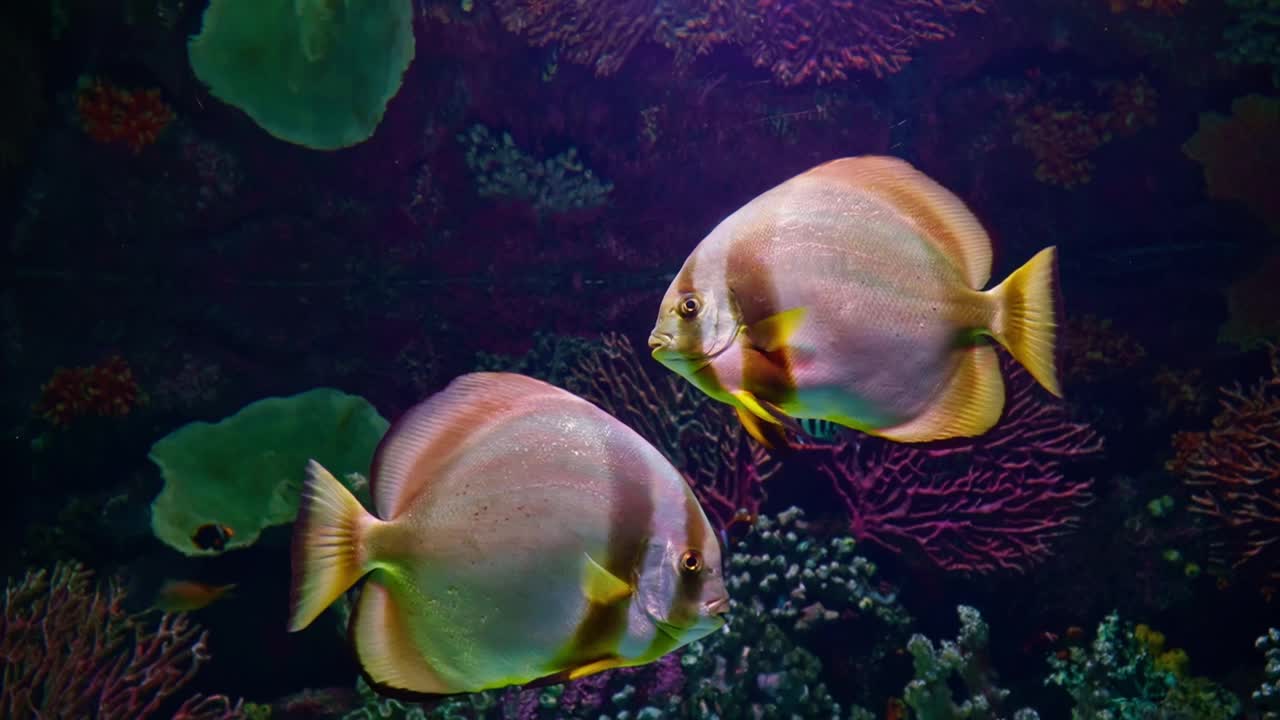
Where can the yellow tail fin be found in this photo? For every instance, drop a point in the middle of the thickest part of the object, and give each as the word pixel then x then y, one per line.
pixel 328 546
pixel 1026 318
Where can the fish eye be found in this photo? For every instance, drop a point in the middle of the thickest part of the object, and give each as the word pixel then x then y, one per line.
pixel 689 306
pixel 691 561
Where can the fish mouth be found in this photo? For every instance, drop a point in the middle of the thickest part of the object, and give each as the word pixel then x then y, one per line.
pixel 661 345
pixel 718 607
pixel 659 341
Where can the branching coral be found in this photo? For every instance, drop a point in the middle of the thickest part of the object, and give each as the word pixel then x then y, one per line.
pixel 699 436
pixel 993 503
pixel 1234 470
pixel 1240 154
pixel 797 40
pixel 70 650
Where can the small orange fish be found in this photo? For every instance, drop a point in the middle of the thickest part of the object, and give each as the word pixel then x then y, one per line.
pixel 212 536
pixel 188 595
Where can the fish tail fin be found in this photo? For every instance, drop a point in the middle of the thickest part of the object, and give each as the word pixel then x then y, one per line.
pixel 1026 317
pixel 328 546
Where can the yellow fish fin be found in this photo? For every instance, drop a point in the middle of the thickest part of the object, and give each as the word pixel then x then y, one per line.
pixel 1026 321
pixel 941 217
pixel 768 435
pixel 601 586
pixel 328 542
pixel 749 402
pixel 385 646
pixel 773 332
pixel 592 668
pixel 969 405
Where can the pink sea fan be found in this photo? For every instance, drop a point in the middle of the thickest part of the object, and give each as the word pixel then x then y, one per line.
pixel 991 503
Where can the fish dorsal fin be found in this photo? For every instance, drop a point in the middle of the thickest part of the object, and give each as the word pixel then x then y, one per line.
pixel 429 436
pixel 601 586
pixel 969 405
pixel 384 645
pixel 773 332
pixel 940 216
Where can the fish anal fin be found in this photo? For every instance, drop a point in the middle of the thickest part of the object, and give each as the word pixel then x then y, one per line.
pixel 592 668
pixel 969 405
pixel 601 586
pixel 941 217
pixel 774 332
pixel 383 643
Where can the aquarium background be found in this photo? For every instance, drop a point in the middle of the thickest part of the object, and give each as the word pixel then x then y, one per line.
pixel 541 172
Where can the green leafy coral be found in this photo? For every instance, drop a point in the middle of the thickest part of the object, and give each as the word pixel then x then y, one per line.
pixel 1127 673
pixel 929 694
pixel 1254 37
pixel 552 185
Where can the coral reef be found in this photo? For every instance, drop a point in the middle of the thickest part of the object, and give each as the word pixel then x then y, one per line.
pixel 1239 154
pixel 701 437
pixel 1234 472
pixel 107 389
pixel 1254 37
pixel 1254 307
pixel 110 114
pixel 1267 696
pixel 991 503
pixel 554 185
pixel 820 41
pixel 1127 673
pixel 929 693
pixel 71 650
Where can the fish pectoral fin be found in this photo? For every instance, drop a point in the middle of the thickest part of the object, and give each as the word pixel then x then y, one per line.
pixel 968 406
pixel 592 668
pixel 601 586
pixel 774 332
pixel 769 435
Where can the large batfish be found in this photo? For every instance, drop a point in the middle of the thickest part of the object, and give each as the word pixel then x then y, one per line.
pixel 522 534
pixel 852 293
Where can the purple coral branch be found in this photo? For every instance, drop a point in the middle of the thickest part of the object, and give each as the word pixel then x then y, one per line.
pixel 1000 512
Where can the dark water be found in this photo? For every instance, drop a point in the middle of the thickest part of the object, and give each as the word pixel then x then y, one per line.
pixel 538 176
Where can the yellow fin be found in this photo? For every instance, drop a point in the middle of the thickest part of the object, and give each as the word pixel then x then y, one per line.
pixel 773 332
pixel 595 667
pixel 328 542
pixel 770 436
pixel 937 213
pixel 1026 319
pixel 384 644
pixel 601 586
pixel 969 405
pixel 749 402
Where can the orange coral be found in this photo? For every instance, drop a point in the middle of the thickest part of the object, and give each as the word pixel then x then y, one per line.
pixel 1234 469
pixel 110 114
pixel 107 389
pixel 1254 307
pixel 1133 105
pixel 1061 141
pixel 1240 155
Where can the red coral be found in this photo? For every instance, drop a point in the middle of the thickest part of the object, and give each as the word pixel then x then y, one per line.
pixel 105 390
pixel 70 650
pixel 1062 141
pixel 110 114
pixel 824 40
pixel 992 503
pixel 798 40
pixel 1133 105
pixel 1234 469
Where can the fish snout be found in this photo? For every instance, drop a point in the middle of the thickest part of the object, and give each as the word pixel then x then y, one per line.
pixel 717 607
pixel 658 340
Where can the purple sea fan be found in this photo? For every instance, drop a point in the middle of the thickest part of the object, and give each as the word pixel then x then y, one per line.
pixel 986 504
